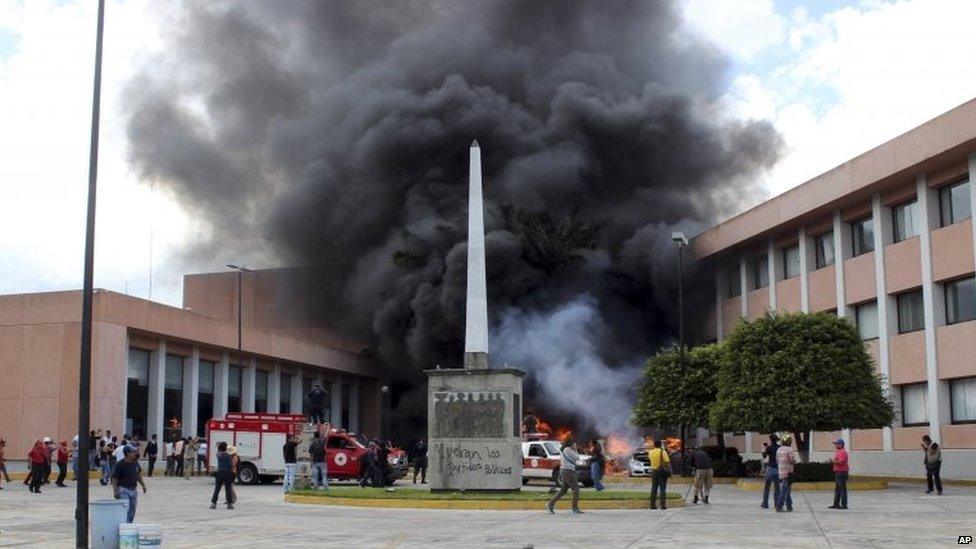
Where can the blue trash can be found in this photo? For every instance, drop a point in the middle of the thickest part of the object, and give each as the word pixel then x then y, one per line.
pixel 105 517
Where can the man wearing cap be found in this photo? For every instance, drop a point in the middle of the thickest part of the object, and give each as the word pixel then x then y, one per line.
pixel 841 470
pixel 125 476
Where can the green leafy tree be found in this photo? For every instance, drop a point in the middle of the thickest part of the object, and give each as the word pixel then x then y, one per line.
pixel 798 373
pixel 672 395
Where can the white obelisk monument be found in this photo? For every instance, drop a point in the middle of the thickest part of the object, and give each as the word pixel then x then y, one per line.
pixel 474 413
pixel 476 308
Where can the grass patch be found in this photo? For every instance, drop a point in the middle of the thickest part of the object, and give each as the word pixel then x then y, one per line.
pixel 525 495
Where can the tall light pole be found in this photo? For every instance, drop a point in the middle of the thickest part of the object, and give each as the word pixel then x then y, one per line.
pixel 84 369
pixel 240 309
pixel 681 241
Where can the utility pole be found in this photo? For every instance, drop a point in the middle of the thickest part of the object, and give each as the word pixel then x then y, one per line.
pixel 240 311
pixel 681 241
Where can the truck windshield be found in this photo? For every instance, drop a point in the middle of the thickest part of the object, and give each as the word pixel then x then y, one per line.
pixel 360 438
pixel 552 448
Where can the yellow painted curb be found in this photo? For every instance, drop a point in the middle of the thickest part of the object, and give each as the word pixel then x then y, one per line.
pixel 757 485
pixel 673 480
pixel 918 480
pixel 471 504
pixel 19 476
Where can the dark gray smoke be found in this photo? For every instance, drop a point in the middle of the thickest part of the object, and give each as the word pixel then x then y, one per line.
pixel 335 134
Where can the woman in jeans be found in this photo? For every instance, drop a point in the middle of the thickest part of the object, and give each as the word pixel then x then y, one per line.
pixel 568 458
pixel 933 464
pixel 597 465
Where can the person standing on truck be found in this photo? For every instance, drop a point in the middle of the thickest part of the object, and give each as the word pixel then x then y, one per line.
pixel 530 424
pixel 152 451
pixel 420 461
pixel 316 398
pixel 316 451
pixel 291 462
pixel 224 477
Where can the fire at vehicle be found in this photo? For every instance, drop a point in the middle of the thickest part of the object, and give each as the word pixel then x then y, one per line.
pixel 259 439
pixel 541 452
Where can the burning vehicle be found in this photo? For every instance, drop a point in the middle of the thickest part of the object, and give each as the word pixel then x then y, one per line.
pixel 540 460
pixel 640 463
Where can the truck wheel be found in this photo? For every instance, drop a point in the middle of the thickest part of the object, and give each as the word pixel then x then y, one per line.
pixel 248 474
pixel 525 481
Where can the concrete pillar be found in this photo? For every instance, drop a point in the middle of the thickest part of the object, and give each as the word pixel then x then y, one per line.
pixel 933 309
pixel 354 407
pixel 775 267
pixel 221 370
pixel 296 392
pixel 806 260
pixel 476 304
pixel 842 249
pixel 719 284
pixel 274 389
pixel 887 310
pixel 191 392
pixel 157 388
pixel 972 194
pixel 336 404
pixel 248 373
pixel 743 295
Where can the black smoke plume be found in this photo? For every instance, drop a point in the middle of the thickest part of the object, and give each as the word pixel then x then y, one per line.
pixel 335 134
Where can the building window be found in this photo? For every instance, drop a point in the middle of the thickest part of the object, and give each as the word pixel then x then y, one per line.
pixel 905 219
pixel 866 319
pixel 260 391
pixel 862 236
pixel 233 388
pixel 960 300
pixel 914 404
pixel 954 203
pixel 760 272
pixel 205 396
pixel 910 312
pixel 824 249
pixel 791 262
pixel 137 395
pixel 285 400
pixel 962 396
pixel 173 397
pixel 735 281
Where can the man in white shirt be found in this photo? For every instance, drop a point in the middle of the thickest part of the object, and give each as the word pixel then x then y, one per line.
pixel 119 453
pixel 170 462
pixel 202 464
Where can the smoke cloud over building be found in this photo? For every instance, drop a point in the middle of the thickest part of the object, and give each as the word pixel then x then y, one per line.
pixel 335 135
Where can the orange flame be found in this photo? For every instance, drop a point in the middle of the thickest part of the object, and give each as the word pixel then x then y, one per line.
pixel 618 446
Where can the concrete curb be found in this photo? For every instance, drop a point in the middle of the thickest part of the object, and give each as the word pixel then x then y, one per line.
pixel 673 480
pixel 757 485
pixel 472 504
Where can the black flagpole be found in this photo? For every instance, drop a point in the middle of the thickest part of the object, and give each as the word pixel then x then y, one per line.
pixel 84 374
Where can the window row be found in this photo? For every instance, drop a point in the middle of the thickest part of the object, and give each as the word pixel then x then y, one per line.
pixel 960 306
pixel 915 403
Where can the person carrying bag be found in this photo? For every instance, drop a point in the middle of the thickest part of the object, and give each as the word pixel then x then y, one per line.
pixel 660 471
pixel 568 480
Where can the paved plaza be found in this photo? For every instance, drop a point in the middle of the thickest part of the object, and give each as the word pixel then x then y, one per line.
pixel 900 516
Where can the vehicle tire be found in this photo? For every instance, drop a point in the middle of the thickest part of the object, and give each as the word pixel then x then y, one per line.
pixel 525 481
pixel 248 474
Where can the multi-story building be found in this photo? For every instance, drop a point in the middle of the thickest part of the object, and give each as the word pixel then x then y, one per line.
pixel 887 241
pixel 163 370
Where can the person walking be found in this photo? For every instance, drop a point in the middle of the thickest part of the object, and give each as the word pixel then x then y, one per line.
pixel 420 461
pixel 370 472
pixel 291 463
pixel 189 457
pixel 383 450
pixel 772 470
pixel 3 460
pixel 202 464
pixel 170 460
pixel 62 460
pixel 660 471
pixel 316 451
pixel 52 457
pixel 933 464
pixel 786 458
pixel 151 453
pixel 93 456
pixel 178 446
pixel 704 474
pixel 568 458
pixel 841 471
pixel 316 399
pixel 126 475
pixel 597 464
pixel 235 467
pixel 37 458
pixel 223 477
pixel 104 460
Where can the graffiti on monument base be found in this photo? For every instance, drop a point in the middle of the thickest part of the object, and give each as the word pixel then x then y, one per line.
pixel 467 459
pixel 470 414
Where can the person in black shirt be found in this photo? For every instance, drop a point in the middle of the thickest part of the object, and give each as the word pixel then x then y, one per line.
pixel 125 476
pixel 224 477
pixel 420 461
pixel 152 450
pixel 316 398
pixel 291 463
pixel 772 470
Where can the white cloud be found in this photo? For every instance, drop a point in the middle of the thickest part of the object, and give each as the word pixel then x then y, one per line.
pixel 45 109
pixel 744 28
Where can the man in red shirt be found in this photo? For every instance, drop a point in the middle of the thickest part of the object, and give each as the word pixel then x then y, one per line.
pixel 38 458
pixel 841 470
pixel 62 463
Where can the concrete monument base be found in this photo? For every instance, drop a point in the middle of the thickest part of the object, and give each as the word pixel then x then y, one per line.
pixel 474 428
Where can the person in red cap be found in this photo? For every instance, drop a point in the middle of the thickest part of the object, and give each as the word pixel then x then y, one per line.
pixel 37 458
pixel 841 470
pixel 62 463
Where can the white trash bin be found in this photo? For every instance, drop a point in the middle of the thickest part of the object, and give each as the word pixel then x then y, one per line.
pixel 128 536
pixel 150 535
pixel 105 517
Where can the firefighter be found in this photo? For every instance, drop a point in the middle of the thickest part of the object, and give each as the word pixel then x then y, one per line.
pixel 371 473
pixel 420 461
pixel 316 398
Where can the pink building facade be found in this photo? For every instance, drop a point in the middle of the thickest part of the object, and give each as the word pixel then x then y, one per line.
pixel 161 370
pixel 887 241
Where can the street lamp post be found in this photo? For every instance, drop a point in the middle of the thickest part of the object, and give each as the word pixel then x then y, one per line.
pixel 240 310
pixel 681 241
pixel 84 367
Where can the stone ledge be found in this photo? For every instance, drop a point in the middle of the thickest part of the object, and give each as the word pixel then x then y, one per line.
pixel 757 485
pixel 474 504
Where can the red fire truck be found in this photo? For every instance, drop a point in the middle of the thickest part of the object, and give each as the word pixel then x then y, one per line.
pixel 259 439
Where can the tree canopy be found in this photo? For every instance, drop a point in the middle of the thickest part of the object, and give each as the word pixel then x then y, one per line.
pixel 798 372
pixel 668 397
